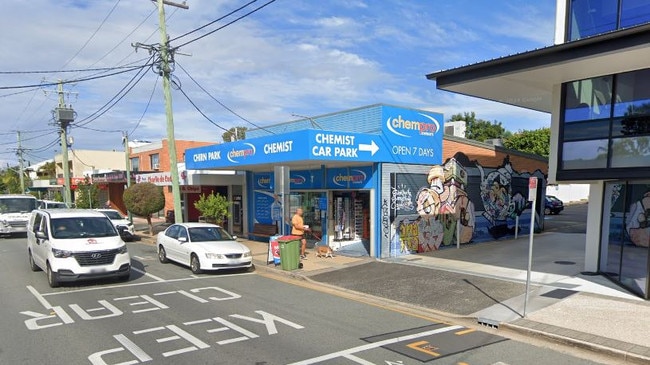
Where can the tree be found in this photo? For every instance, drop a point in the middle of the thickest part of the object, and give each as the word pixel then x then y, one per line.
pixel 48 170
pixel 87 195
pixel 144 199
pixel 479 129
pixel 234 134
pixel 537 141
pixel 10 181
pixel 214 207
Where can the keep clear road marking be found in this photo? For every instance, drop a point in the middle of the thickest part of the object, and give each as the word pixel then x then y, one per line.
pixel 348 354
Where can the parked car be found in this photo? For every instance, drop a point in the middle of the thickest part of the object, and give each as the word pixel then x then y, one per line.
pixel 123 225
pixel 75 244
pixel 202 246
pixel 51 204
pixel 553 205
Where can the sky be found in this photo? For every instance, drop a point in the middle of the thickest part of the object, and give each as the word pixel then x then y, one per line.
pixel 288 58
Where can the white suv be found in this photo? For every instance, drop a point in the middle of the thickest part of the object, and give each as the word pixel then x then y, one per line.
pixel 75 244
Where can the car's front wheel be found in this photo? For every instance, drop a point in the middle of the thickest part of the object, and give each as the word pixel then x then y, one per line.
pixel 162 255
pixel 52 277
pixel 195 264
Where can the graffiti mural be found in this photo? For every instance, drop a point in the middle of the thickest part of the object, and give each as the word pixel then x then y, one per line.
pixel 458 202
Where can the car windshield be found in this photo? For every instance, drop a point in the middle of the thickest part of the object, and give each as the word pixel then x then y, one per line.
pixel 82 227
pixel 205 234
pixel 112 214
pixel 17 205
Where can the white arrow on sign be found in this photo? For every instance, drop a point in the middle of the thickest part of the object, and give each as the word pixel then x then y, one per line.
pixel 372 147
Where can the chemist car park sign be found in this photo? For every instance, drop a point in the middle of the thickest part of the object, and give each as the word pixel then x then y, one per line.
pixel 402 141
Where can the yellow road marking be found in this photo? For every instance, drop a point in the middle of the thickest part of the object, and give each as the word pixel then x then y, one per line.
pixel 428 349
pixel 464 332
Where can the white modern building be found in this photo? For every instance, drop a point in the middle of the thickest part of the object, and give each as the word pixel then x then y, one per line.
pixel 595 83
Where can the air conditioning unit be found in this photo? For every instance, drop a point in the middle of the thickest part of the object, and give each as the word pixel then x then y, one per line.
pixel 156 166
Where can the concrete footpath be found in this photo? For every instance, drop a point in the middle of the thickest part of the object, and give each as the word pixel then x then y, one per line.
pixel 486 283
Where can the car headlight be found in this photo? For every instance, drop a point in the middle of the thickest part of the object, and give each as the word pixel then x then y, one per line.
pixel 61 254
pixel 212 255
pixel 122 249
pixel 247 254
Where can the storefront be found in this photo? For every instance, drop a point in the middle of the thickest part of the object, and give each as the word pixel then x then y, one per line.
pixel 335 171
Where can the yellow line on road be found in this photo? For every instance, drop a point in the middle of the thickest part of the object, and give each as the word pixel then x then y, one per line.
pixel 464 332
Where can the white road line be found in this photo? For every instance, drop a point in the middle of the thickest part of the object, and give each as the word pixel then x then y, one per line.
pixel 147 274
pixel 374 345
pixel 358 360
pixel 39 297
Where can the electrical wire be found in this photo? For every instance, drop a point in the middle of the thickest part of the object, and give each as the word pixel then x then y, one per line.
pixel 93 116
pixel 146 107
pixel 199 110
pixel 227 24
pixel 94 34
pixel 212 22
pixel 220 103
pixel 71 81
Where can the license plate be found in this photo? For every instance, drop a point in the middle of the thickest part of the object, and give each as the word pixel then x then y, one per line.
pixel 98 270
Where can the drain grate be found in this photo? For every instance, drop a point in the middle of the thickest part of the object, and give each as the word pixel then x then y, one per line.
pixel 488 323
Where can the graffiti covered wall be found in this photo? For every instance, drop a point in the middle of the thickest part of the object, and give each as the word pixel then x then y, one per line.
pixel 458 202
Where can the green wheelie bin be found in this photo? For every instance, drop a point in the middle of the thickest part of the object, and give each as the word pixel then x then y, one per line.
pixel 289 252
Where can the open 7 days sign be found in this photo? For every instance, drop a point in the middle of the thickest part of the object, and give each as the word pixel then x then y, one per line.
pixel 318 145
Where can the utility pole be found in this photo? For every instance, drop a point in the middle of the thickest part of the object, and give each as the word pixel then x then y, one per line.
pixel 64 117
pixel 165 69
pixel 125 140
pixel 19 152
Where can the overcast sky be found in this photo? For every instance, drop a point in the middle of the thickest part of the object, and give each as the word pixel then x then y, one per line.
pixel 302 57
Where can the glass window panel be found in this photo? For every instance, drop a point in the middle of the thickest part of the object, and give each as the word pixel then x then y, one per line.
pixel 584 154
pixel 614 235
pixel 585 130
pixel 591 17
pixel 634 12
pixel 632 93
pixel 588 99
pixel 631 126
pixel 631 152
pixel 634 263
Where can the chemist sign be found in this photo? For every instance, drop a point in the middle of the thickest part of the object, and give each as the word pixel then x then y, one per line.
pixel 322 146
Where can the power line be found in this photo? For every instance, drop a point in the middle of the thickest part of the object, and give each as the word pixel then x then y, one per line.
pixel 220 103
pixel 199 110
pixel 94 33
pixel 212 22
pixel 64 71
pixel 71 81
pixel 227 24
pixel 146 108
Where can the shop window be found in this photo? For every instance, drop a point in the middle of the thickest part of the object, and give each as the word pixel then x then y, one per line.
pixel 626 234
pixel 632 94
pixel 630 152
pixel 154 160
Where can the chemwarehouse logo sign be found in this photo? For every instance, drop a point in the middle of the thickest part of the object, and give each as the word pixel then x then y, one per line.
pixel 235 155
pixel 428 126
pixel 264 182
pixel 298 179
pixel 354 177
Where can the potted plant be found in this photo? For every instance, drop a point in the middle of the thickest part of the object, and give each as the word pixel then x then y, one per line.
pixel 213 208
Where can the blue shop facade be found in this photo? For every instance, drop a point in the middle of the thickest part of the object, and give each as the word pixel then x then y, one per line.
pixel 346 170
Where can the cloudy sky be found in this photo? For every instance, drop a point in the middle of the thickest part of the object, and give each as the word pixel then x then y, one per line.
pixel 290 57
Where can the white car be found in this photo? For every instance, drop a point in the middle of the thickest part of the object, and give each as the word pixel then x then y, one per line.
pixel 202 246
pixel 120 221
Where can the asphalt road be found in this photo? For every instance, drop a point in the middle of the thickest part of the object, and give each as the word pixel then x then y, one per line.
pixel 166 315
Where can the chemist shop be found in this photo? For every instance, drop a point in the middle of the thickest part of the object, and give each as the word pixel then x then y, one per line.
pixel 351 172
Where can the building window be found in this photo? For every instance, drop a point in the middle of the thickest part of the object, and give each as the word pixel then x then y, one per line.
pixel 135 163
pixel 588 17
pixel 606 123
pixel 154 160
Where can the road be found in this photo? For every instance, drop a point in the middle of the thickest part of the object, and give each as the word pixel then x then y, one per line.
pixel 166 315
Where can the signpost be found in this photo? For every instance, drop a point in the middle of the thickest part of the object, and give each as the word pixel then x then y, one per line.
pixel 532 197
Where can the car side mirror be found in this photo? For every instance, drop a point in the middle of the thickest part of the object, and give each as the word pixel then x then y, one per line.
pixel 182 239
pixel 234 238
pixel 41 235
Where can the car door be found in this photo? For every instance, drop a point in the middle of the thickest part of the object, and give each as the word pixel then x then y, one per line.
pixel 169 240
pixel 184 246
pixel 40 246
